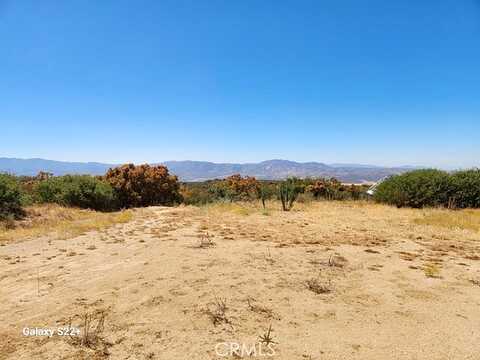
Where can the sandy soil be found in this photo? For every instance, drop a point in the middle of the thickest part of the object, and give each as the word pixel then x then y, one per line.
pixel 333 281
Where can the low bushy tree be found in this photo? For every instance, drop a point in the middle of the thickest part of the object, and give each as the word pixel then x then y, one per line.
pixel 143 185
pixel 417 189
pixel 288 191
pixel 82 191
pixel 265 191
pixel 10 198
pixel 49 191
pixel 198 193
pixel 236 188
pixel 89 192
pixel 466 189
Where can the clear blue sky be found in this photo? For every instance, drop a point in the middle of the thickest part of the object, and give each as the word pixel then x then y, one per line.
pixel 374 81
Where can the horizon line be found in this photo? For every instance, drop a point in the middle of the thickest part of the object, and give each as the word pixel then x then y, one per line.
pixel 229 163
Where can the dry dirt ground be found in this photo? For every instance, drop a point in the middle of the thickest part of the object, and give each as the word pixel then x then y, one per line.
pixel 330 280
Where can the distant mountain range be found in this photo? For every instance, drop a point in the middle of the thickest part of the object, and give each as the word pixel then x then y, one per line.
pixel 203 170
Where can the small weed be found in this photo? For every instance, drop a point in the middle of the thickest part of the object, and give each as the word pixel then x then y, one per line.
pixel 319 287
pixel 217 311
pixel 337 261
pixel 206 241
pixel 267 338
pixel 431 271
pixel 259 309
pixel 475 282
pixel 268 257
pixel 92 327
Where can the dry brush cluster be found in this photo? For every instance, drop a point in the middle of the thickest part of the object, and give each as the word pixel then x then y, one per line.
pixel 288 191
pixel 126 186
pixel 130 186
pixel 143 185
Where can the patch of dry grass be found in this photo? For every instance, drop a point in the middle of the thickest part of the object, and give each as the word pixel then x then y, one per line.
pixel 236 208
pixel 61 222
pixel 358 223
pixel 218 311
pixel 431 270
pixel 454 220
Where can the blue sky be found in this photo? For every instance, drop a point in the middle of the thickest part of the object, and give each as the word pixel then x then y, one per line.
pixel 375 81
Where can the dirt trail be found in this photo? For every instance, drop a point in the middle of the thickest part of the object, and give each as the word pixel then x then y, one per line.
pixel 158 278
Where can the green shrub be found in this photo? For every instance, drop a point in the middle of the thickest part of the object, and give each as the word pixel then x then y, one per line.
pixel 466 188
pixel 265 191
pixel 82 191
pixel 89 192
pixel 288 191
pixel 49 191
pixel 10 198
pixel 417 189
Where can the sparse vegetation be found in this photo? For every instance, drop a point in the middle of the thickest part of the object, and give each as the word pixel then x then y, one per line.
pixel 206 241
pixel 431 270
pixel 468 219
pixel 92 325
pixel 259 309
pixel 268 266
pixel 217 311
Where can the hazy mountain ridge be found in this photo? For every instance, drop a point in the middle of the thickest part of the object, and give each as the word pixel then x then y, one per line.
pixel 203 170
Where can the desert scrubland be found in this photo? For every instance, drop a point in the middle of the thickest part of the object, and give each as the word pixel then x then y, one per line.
pixel 326 280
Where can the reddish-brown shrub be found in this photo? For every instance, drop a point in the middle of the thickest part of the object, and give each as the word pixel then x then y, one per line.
pixel 143 185
pixel 236 187
pixel 243 187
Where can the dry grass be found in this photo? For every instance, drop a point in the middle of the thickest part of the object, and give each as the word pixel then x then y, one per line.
pixel 454 220
pixel 61 222
pixel 431 270
pixel 92 325
pixel 237 208
pixel 260 309
pixel 274 207
pixel 217 311
pixel 358 223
